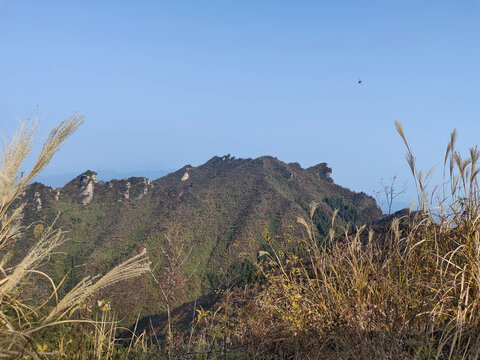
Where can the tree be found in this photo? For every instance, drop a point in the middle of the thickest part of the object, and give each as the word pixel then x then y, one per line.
pixel 389 192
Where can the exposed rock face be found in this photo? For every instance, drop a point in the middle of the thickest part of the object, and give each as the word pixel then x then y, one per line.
pixel 322 170
pixel 87 183
pixel 87 193
pixel 185 176
pixel 38 200
pixel 125 189
pixel 126 194
pixel 146 184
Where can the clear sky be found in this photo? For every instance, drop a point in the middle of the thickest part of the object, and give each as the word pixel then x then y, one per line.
pixel 168 83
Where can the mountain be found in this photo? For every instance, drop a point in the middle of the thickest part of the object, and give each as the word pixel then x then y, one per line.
pixel 199 224
pixel 59 180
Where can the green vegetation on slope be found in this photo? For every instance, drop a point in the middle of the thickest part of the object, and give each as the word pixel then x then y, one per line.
pixel 204 225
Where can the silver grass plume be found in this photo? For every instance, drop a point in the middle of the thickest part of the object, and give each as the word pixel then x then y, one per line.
pixel 131 268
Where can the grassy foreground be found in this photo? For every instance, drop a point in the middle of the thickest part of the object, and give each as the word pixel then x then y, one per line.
pixel 407 290
pixel 39 326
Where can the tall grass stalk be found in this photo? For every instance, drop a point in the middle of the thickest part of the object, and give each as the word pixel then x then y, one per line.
pixel 20 321
pixel 407 290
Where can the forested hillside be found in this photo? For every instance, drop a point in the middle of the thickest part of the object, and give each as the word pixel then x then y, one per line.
pixel 200 225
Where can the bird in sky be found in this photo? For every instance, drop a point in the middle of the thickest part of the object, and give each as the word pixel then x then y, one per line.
pixel 360 82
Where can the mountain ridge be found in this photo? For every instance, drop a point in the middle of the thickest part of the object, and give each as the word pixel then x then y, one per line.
pixel 197 223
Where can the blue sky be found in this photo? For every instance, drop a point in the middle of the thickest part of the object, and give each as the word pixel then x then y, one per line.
pixel 164 84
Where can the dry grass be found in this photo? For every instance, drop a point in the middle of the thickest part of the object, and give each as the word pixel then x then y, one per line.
pixel 20 323
pixel 409 291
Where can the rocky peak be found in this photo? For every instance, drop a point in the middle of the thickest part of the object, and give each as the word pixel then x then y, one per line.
pixel 129 188
pixel 84 186
pixel 128 185
pixel 322 170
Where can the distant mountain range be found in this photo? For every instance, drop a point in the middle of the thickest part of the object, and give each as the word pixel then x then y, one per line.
pixel 199 224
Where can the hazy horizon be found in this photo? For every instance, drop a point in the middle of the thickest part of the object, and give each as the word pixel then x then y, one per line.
pixel 165 84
